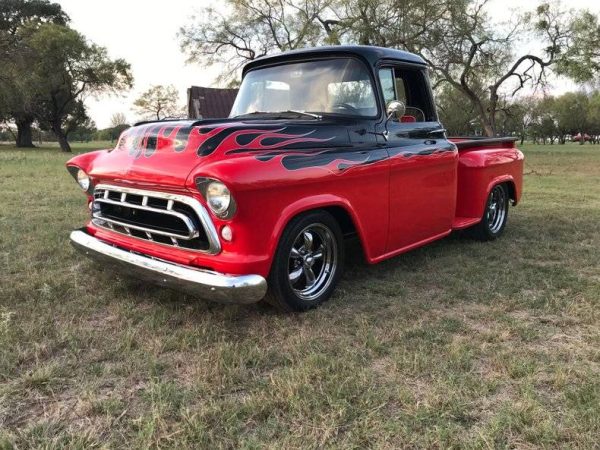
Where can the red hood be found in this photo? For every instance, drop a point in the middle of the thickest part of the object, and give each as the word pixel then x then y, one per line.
pixel 165 153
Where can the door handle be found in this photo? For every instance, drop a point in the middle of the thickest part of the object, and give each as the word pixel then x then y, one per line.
pixel 430 142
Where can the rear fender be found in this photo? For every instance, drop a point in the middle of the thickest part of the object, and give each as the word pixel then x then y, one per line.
pixel 482 201
pixel 508 179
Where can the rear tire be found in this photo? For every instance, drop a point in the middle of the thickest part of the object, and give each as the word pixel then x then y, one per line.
pixel 495 215
pixel 308 262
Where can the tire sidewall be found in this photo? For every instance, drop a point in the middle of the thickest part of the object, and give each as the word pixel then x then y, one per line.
pixel 281 292
pixel 486 226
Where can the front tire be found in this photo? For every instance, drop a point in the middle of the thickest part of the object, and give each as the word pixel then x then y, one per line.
pixel 308 262
pixel 495 215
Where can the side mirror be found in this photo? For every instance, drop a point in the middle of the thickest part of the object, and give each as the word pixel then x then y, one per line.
pixel 395 108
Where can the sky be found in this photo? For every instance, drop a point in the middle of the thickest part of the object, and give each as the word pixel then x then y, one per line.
pixel 144 33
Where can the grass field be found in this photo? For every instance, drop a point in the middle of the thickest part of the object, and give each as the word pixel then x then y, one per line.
pixel 460 344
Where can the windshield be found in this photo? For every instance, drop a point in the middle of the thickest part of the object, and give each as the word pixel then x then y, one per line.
pixel 338 86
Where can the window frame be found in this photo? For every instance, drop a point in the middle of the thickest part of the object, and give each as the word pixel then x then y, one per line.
pixel 420 69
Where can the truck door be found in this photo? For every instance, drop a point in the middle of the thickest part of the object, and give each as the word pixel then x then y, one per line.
pixel 423 163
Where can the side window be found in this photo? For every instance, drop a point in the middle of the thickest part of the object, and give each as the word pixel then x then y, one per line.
pixel 386 77
pixel 410 87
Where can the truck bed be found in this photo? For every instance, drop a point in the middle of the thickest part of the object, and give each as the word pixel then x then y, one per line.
pixel 475 142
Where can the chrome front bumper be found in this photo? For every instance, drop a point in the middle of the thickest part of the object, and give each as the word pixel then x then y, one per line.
pixel 205 284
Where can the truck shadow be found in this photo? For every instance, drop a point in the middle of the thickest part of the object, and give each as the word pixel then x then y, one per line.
pixel 357 272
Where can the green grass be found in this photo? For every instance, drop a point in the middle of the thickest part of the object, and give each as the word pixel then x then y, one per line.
pixel 459 344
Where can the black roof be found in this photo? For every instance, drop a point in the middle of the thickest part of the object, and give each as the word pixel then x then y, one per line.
pixel 371 53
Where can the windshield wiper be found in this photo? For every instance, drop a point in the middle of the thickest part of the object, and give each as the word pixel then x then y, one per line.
pixel 279 114
pixel 253 113
pixel 303 113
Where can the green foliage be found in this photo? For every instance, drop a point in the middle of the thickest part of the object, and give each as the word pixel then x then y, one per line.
pixel 84 130
pixel 66 67
pixel 541 119
pixel 110 134
pixel 456 112
pixel 571 112
pixel 16 100
pixel 15 14
pixel 49 68
pixel 580 60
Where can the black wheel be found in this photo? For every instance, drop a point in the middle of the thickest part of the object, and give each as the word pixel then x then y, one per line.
pixel 495 215
pixel 307 264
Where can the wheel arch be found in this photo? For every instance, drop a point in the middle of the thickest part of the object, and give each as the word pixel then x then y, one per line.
pixel 338 207
pixel 510 184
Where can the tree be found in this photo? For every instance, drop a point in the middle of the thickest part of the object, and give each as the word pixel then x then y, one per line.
pixel 524 114
pixel 594 117
pixel 572 113
pixel 467 50
pixel 580 60
pixel 254 28
pixel 461 43
pixel 66 68
pixel 456 112
pixel 118 124
pixel 18 13
pixel 118 119
pixel 16 101
pixel 84 131
pixel 158 102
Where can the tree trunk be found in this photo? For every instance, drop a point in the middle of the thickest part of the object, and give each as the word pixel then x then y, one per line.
pixel 24 134
pixel 582 140
pixel 62 138
pixel 488 128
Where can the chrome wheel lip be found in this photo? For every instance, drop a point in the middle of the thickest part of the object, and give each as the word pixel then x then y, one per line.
pixel 313 261
pixel 496 209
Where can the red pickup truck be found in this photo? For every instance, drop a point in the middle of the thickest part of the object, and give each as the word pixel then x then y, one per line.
pixel 321 144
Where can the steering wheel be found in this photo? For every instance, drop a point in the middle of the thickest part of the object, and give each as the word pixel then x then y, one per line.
pixel 345 106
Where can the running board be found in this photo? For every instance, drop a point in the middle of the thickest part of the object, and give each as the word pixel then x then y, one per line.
pixel 460 223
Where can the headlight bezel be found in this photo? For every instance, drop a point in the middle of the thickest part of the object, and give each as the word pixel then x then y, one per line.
pixel 83 180
pixel 218 188
pixel 79 174
pixel 218 197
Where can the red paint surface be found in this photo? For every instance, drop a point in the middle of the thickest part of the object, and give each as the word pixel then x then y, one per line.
pixel 396 203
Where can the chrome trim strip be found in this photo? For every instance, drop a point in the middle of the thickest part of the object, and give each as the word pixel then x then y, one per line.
pixel 214 245
pixel 206 284
pixel 193 232
pixel 96 220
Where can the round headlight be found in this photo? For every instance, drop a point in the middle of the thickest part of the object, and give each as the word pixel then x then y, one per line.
pixel 83 180
pixel 218 198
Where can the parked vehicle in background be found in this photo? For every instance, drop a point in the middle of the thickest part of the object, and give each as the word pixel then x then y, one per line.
pixel 321 144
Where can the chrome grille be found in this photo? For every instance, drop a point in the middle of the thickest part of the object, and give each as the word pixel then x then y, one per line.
pixel 164 218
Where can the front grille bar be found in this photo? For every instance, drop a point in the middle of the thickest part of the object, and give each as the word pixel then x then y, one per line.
pixel 102 195
pixel 192 231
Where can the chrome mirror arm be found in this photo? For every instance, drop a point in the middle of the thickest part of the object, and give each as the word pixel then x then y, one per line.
pixel 395 107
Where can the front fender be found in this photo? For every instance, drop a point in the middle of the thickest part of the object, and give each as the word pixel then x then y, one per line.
pixel 312 203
